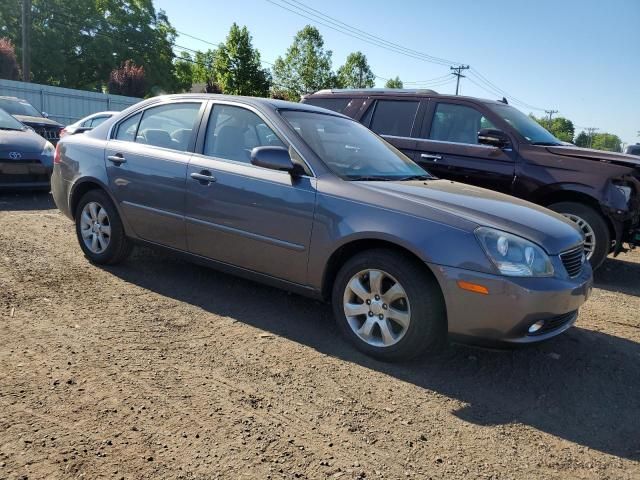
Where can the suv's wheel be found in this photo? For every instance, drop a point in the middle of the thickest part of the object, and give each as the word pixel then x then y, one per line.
pixel 388 306
pixel 597 240
pixel 99 229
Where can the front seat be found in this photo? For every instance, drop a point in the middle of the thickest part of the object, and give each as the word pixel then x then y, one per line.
pixel 230 144
pixel 158 138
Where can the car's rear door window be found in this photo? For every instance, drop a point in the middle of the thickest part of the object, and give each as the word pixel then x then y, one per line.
pixel 168 126
pixel 127 129
pixel 97 121
pixel 457 123
pixel 232 132
pixel 393 117
pixel 335 104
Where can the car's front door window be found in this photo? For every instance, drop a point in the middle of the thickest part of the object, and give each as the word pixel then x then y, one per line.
pixel 168 126
pixel 457 123
pixel 233 132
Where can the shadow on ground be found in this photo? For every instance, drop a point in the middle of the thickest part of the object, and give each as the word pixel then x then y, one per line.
pixel 21 200
pixel 583 386
pixel 618 275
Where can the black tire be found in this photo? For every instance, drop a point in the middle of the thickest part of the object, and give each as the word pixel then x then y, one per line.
pixel 119 246
pixel 427 328
pixel 597 223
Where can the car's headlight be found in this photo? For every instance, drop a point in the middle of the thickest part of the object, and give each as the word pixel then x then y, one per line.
pixel 49 150
pixel 514 256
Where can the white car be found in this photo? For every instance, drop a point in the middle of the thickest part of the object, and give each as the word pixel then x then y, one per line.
pixel 86 123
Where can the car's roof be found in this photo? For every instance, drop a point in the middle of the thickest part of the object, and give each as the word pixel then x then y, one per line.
pixel 397 92
pixel 7 97
pixel 254 101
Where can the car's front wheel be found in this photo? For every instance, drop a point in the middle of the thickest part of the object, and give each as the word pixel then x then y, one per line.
pixel 99 229
pixel 597 240
pixel 388 306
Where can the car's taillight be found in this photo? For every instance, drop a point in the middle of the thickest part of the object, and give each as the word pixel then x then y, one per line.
pixel 56 156
pixel 63 132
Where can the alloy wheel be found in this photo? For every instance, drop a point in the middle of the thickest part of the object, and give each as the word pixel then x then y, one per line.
pixel 587 230
pixel 377 308
pixel 95 227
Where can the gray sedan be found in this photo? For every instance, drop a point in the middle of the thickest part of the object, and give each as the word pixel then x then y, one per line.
pixel 26 159
pixel 311 201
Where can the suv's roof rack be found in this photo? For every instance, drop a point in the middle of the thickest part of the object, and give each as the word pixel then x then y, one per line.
pixel 377 91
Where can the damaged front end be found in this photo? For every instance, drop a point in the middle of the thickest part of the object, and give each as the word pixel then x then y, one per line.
pixel 622 206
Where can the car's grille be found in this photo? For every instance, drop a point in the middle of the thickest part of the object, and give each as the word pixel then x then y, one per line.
pixel 573 261
pixel 554 323
pixel 50 133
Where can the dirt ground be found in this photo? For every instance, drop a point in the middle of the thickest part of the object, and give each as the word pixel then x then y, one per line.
pixel 158 368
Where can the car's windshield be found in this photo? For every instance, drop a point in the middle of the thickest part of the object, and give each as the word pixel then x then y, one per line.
pixel 7 122
pixel 525 125
pixel 350 150
pixel 19 107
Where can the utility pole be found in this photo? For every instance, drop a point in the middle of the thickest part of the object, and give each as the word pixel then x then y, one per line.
pixel 590 132
pixel 26 40
pixel 458 73
pixel 550 113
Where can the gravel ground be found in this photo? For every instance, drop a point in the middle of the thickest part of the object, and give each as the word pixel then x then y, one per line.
pixel 158 368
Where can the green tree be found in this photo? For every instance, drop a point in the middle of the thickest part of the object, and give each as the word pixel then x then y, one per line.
pixel 204 67
pixel 394 83
pixel 356 73
pixel 306 66
pixel 78 44
pixel 606 141
pixel 582 140
pixel 8 63
pixel 562 128
pixel 183 67
pixel 237 65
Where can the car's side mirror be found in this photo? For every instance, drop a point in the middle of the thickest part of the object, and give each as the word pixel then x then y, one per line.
pixel 45 114
pixel 494 137
pixel 275 158
pixel 83 129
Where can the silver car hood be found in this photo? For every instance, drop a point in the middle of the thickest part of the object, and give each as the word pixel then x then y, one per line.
pixel 484 207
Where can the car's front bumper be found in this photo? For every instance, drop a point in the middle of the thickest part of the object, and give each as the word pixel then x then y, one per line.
pixel 25 174
pixel 512 305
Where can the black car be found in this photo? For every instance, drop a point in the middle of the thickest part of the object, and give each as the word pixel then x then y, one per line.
pixel 493 145
pixel 26 113
pixel 26 159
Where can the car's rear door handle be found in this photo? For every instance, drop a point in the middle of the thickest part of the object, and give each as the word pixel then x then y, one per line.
pixel 430 156
pixel 117 158
pixel 204 177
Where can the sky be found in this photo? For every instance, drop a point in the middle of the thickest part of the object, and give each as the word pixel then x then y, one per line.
pixel 580 57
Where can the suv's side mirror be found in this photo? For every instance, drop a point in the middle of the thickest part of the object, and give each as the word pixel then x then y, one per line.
pixel 45 114
pixel 494 137
pixel 275 158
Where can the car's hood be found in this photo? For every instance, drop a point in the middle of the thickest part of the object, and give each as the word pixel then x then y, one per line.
pixel 36 121
pixel 22 142
pixel 596 155
pixel 484 207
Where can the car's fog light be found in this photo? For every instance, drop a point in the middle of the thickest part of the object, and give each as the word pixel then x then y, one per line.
pixel 536 326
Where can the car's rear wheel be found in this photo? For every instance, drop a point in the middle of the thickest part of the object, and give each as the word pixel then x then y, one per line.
pixel 99 229
pixel 388 306
pixel 597 240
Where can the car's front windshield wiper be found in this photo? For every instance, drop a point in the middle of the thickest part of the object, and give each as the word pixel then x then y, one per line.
pixel 547 144
pixel 367 178
pixel 413 177
pixel 11 128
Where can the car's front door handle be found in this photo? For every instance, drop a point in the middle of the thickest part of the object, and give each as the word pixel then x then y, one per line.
pixel 204 177
pixel 430 156
pixel 117 159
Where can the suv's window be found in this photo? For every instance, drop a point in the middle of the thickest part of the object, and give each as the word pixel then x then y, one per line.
pixel 233 132
pixel 457 123
pixel 335 104
pixel 127 129
pixel 168 126
pixel 393 117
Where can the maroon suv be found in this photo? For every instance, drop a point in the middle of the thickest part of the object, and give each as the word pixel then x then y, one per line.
pixel 493 145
